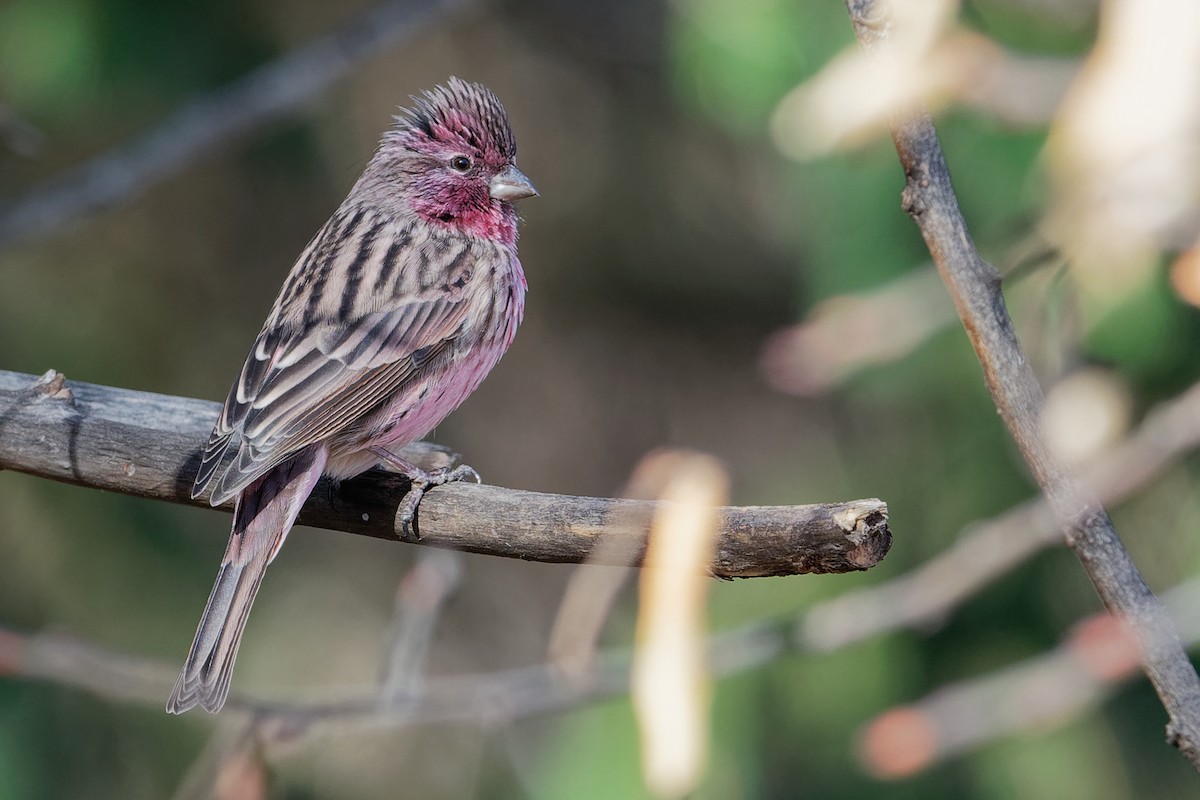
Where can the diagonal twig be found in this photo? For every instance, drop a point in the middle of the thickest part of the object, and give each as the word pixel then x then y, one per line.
pixel 993 547
pixel 420 598
pixel 1039 693
pixel 975 287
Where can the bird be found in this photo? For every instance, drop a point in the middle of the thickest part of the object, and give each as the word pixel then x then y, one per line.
pixel 392 315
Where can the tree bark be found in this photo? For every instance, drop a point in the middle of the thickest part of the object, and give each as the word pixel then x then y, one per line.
pixel 149 445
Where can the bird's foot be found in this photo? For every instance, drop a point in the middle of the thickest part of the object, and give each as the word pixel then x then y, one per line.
pixel 422 481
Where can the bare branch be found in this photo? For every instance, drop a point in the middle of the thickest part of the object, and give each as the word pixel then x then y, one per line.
pixel 267 93
pixel 486 698
pixel 933 61
pixel 422 594
pixel 993 547
pixel 850 332
pixel 231 765
pixel 149 445
pixel 975 287
pixel 1099 655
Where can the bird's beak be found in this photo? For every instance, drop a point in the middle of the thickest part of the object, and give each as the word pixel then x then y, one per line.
pixel 510 185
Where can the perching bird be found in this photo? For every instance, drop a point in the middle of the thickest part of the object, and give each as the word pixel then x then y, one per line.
pixel 393 314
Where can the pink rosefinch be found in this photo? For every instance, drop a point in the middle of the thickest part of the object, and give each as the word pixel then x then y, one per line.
pixel 393 314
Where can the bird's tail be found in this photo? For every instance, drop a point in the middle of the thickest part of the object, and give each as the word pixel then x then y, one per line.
pixel 266 511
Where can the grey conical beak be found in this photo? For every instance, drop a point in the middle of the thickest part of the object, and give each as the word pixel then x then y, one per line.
pixel 510 185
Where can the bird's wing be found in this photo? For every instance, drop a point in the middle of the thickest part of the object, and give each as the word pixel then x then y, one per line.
pixel 302 383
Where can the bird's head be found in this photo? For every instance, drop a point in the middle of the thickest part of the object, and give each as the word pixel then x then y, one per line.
pixel 459 156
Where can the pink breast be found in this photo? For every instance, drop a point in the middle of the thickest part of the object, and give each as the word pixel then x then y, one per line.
pixel 424 405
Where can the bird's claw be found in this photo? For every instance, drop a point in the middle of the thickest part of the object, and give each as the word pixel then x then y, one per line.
pixel 422 482
pixel 462 473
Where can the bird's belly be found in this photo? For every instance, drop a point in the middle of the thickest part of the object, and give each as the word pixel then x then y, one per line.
pixel 423 408
pixel 414 412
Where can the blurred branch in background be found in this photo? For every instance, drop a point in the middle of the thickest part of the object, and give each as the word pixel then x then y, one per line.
pixel 1124 150
pixel 991 548
pixel 148 445
pixel 1098 656
pixel 233 765
pixel 1038 694
pixel 485 698
pixel 933 62
pixel 422 594
pixel 975 287
pixel 203 124
pixel 670 689
pixel 850 332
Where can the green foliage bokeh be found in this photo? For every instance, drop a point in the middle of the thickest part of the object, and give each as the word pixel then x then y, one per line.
pixel 670 241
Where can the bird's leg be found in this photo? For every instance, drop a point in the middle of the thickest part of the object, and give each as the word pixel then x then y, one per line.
pixel 422 481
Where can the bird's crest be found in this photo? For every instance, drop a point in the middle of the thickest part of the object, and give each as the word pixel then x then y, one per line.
pixel 457 112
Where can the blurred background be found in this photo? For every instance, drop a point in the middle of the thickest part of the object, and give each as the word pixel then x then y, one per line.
pixel 718 261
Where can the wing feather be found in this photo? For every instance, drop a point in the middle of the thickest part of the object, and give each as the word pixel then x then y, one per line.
pixel 306 380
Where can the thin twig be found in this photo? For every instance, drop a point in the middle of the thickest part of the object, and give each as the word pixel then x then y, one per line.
pixel 990 549
pixel 422 594
pixel 203 124
pixel 231 765
pixel 1098 656
pixel 149 445
pixel 975 287
pixel 486 698
pixel 909 739
pixel 849 333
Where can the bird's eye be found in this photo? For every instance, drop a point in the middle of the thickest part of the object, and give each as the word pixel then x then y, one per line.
pixel 460 163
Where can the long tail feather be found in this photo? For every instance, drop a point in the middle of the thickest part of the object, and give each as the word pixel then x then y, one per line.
pixel 265 513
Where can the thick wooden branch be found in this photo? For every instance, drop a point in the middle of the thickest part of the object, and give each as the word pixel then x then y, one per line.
pixel 149 445
pixel 975 287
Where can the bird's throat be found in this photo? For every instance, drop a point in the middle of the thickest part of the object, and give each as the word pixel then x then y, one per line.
pixel 497 221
